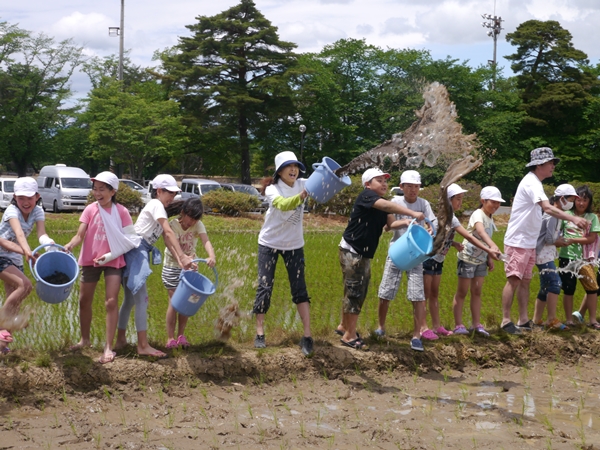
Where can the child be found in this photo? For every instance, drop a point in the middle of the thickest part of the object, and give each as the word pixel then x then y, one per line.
pixel 432 268
pixel 575 239
pixel 549 239
pixel 473 262
pixel 370 214
pixel 150 225
pixel 410 182
pixel 282 234
pixel 17 223
pixel 187 228
pixel 93 232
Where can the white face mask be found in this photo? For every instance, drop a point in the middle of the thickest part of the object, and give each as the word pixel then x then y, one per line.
pixel 566 205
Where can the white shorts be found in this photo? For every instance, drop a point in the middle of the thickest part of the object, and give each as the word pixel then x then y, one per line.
pixel 392 276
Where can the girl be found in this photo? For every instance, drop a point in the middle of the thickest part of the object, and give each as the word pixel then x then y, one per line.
pixel 93 233
pixel 473 263
pixel 282 235
pixel 575 239
pixel 550 238
pixel 187 228
pixel 150 225
pixel 17 223
pixel 432 268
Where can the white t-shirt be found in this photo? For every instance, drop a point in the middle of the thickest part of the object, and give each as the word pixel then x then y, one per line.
pixel 470 253
pixel 6 231
pixel 147 224
pixel 526 215
pixel 282 230
pixel 420 205
pixel 439 257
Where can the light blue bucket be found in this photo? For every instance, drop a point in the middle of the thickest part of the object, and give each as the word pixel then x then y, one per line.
pixel 323 184
pixel 192 291
pixel 47 264
pixel 412 248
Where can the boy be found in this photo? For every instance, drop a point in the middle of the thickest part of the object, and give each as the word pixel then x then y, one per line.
pixel 410 182
pixel 370 214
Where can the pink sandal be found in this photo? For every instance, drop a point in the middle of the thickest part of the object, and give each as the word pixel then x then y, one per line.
pixel 181 340
pixel 5 336
pixel 429 335
pixel 171 344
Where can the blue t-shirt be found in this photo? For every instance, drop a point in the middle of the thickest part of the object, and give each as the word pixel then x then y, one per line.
pixel 7 232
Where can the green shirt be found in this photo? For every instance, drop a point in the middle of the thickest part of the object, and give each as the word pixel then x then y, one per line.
pixel 571 231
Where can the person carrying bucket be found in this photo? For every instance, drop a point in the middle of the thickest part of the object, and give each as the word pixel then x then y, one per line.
pixel 410 182
pixel 432 268
pixel 150 225
pixel 17 223
pixel 187 229
pixel 473 263
pixel 370 214
pixel 282 234
pixel 93 231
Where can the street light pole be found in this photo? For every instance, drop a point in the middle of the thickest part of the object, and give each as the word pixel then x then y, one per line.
pixel 302 129
pixel 494 26
pixel 121 40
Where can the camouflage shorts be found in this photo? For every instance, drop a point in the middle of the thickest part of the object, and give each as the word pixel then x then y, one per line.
pixel 357 274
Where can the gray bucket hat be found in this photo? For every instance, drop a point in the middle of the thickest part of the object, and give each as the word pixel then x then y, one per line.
pixel 541 156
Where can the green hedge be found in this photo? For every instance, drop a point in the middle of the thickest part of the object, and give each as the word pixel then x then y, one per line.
pixel 230 203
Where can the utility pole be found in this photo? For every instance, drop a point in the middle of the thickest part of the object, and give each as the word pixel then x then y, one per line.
pixel 494 25
pixel 120 31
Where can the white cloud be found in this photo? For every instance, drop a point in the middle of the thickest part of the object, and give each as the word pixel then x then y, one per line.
pixel 90 29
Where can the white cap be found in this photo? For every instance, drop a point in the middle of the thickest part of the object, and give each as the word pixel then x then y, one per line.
pixel 285 159
pixel 164 181
pixel 455 189
pixel 564 190
pixel 411 177
pixel 26 186
pixel 491 193
pixel 108 178
pixel 372 173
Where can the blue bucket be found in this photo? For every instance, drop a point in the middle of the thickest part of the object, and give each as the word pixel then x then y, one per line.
pixel 49 263
pixel 323 184
pixel 412 248
pixel 192 291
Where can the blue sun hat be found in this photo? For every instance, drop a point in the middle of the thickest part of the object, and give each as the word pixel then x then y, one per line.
pixel 285 159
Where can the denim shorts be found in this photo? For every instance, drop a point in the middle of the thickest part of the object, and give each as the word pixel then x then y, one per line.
pixel 467 270
pixel 432 267
pixel 5 263
pixel 549 280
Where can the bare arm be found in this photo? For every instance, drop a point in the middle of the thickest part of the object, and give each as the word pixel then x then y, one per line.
pixel 184 261
pixel 485 237
pixel 393 208
pixel 21 239
pixel 212 259
pixel 476 242
pixel 582 240
pixel 78 238
pixel 580 222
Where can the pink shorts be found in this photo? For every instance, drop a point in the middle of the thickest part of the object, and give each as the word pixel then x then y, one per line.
pixel 520 262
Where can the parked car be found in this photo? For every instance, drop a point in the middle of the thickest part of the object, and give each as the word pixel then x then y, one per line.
pixel 6 191
pixel 136 187
pixel 248 189
pixel 396 190
pixel 63 188
pixel 197 187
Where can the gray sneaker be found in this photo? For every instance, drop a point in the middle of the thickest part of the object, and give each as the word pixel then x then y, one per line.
pixel 259 341
pixel 306 344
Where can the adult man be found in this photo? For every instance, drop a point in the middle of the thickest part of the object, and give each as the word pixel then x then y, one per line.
pixel 521 236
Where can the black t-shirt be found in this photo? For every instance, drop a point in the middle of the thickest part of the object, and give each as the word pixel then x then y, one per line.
pixel 366 224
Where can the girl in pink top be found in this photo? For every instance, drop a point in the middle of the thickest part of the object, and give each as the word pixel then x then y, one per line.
pixel 92 233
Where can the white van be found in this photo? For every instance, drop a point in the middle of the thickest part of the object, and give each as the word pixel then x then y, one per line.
pixel 6 191
pixel 197 187
pixel 63 188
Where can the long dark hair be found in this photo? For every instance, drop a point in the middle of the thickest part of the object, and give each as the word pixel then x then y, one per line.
pixel 585 192
pixel 191 207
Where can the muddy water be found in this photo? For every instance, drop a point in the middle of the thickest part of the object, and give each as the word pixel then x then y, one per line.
pixel 546 405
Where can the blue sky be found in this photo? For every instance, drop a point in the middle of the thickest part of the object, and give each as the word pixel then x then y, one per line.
pixel 444 27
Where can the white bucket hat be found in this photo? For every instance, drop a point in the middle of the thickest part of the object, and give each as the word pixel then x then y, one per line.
pixel 165 181
pixel 108 178
pixel 491 193
pixel 25 186
pixel 285 159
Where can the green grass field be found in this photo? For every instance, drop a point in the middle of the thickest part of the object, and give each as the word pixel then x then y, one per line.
pixel 235 242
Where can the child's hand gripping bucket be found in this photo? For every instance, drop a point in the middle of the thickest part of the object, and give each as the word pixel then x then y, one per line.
pixel 323 184
pixel 412 248
pixel 192 291
pixel 55 265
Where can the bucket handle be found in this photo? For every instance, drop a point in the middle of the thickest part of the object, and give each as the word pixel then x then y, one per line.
pixel 214 270
pixel 36 250
pixel 426 220
pixel 315 166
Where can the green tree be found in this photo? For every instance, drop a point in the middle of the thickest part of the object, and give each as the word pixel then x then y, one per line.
pixel 135 127
pixel 34 84
pixel 229 76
